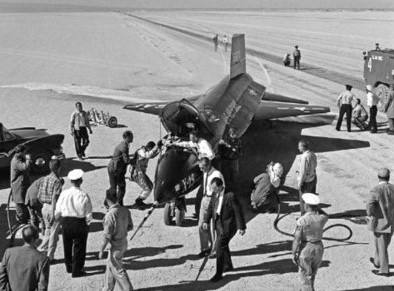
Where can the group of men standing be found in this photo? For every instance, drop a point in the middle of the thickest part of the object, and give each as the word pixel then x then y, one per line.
pixel 358 115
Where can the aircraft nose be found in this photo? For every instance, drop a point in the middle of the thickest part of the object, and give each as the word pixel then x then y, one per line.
pixel 176 174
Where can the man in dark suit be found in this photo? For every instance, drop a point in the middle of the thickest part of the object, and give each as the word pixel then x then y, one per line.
pixel 226 213
pixel 380 209
pixel 25 268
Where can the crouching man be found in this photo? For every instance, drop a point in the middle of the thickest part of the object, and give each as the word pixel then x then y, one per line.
pixel 264 196
pixel 116 224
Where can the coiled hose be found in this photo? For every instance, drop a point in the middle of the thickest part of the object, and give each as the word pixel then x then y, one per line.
pixel 278 218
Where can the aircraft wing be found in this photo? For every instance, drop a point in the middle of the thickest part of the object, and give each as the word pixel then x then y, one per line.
pixel 270 110
pixel 147 107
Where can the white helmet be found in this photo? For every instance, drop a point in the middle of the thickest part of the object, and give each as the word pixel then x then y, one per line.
pixel 278 169
pixel 369 88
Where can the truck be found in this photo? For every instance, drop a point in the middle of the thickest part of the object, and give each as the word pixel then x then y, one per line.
pixel 379 72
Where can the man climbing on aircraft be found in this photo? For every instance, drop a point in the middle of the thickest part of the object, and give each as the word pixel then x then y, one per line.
pixel 138 172
pixel 196 143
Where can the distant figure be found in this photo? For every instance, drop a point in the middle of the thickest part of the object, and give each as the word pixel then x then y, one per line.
pixel 25 268
pixel 226 214
pixel 264 197
pixel 20 182
pixel 229 152
pixel 215 40
pixel 296 57
pixel 117 166
pixel 138 172
pixel 359 115
pixel 344 101
pixel 117 222
pixel 306 174
pixel 225 42
pixel 48 193
pixel 286 60
pixel 307 246
pixel 79 130
pixel 389 109
pixel 372 102
pixel 377 48
pixel 380 210
pixel 74 209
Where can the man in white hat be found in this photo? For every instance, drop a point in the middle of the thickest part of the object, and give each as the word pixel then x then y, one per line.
pixel 74 208
pixel 372 102
pixel 307 247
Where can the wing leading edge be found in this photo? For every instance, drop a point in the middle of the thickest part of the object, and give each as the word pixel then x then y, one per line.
pixel 270 110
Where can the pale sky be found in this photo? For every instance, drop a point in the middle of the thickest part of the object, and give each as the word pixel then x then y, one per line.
pixel 212 4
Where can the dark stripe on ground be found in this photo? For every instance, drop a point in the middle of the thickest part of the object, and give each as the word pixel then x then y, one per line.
pixel 313 70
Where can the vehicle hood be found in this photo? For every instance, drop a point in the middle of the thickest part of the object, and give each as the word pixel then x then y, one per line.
pixel 29 132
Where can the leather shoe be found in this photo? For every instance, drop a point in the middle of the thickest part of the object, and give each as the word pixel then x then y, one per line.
pixel 79 274
pixel 373 263
pixel 216 278
pixel 228 269
pixel 212 256
pixel 377 273
pixel 203 253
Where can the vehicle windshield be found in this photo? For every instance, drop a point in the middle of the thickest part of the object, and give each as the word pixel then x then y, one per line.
pixel 5 134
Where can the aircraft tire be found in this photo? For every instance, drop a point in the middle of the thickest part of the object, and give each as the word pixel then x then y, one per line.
pixel 167 214
pixel 179 216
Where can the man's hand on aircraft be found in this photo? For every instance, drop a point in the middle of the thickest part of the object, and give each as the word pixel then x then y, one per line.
pixel 299 184
pixel 205 226
pixel 101 255
pixel 295 259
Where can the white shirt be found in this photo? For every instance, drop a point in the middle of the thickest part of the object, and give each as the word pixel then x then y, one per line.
pixel 203 147
pixel 372 99
pixel 220 204
pixel 207 179
pixel 73 202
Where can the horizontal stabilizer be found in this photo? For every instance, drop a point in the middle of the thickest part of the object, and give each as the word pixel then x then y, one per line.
pixel 270 110
pixel 280 98
pixel 150 108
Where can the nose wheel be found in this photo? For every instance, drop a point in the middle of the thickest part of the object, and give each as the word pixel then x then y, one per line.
pixel 175 210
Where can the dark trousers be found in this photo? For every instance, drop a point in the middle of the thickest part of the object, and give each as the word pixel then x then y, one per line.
pixel 229 170
pixel 22 213
pixel 81 140
pixel 372 125
pixel 307 187
pixel 223 256
pixel 296 62
pixel 75 235
pixel 197 204
pixel 345 108
pixel 118 183
pixel 36 216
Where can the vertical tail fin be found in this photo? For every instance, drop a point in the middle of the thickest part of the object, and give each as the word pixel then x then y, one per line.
pixel 238 62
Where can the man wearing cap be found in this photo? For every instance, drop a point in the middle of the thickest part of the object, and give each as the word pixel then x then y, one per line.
pixel 117 166
pixel 74 208
pixel 296 57
pixel 389 109
pixel 264 197
pixel 372 102
pixel 377 47
pixel 344 101
pixel 307 246
pixel 306 174
pixel 138 172
pixel 229 152
pixel 380 210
